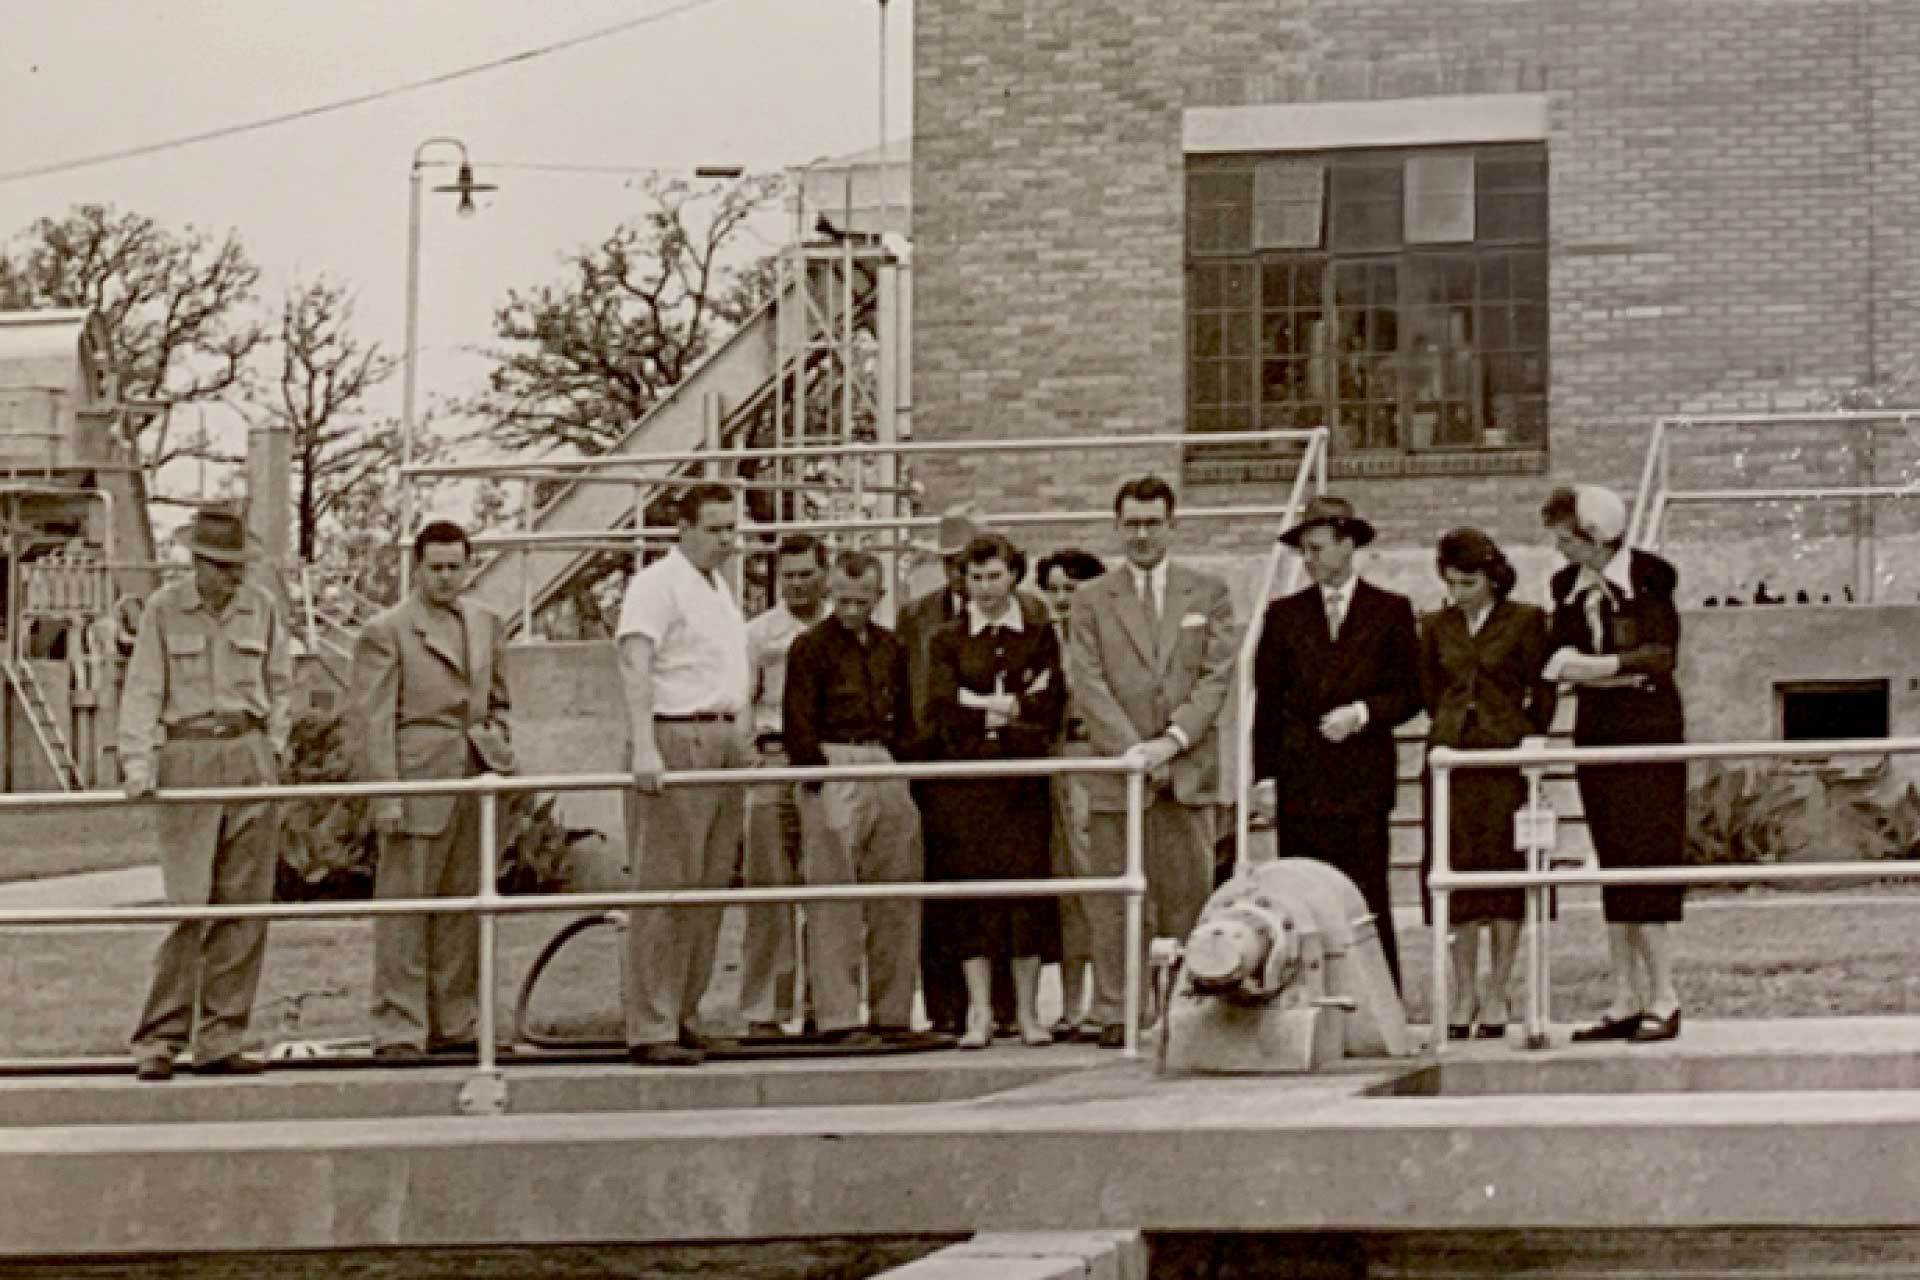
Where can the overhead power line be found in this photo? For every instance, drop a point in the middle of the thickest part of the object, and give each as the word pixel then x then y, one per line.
pixel 358 100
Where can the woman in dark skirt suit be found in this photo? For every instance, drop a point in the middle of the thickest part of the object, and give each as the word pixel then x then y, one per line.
pixel 1480 664
pixel 1616 637
pixel 996 692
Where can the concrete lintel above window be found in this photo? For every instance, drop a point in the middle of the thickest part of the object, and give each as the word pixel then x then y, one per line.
pixel 1393 122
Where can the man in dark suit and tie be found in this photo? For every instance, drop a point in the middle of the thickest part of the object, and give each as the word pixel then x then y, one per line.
pixel 1336 671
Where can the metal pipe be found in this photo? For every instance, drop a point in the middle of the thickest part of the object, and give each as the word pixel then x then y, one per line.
pixel 1669 752
pixel 1536 922
pixel 1440 891
pixel 1032 444
pixel 1810 494
pixel 409 359
pixel 526 562
pixel 623 537
pixel 1135 880
pixel 1636 522
pixel 489 926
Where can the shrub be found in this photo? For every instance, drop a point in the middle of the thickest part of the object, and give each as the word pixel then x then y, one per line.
pixel 328 850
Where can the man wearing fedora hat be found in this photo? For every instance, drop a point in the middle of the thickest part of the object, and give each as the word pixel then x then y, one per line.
pixel 942 987
pixel 207 703
pixel 1337 670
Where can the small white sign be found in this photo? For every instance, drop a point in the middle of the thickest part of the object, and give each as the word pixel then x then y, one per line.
pixel 1536 829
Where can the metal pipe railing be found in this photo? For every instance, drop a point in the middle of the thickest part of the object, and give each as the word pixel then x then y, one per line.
pixel 1537 881
pixel 1314 465
pixel 489 904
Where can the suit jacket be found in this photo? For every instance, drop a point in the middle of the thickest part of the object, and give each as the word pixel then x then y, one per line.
pixel 1300 673
pixel 1483 689
pixel 1129 685
pixel 915 626
pixel 414 700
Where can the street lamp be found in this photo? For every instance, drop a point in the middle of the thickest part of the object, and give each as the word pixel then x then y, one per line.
pixel 464 186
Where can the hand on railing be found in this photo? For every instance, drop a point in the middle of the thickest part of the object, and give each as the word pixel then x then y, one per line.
pixel 647 769
pixel 1264 801
pixel 386 814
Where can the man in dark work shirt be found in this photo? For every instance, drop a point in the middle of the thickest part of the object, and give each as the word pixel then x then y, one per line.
pixel 848 701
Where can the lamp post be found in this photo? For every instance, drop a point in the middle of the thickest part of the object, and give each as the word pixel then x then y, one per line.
pixel 464 186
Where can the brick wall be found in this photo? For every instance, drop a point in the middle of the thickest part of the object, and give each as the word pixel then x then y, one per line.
pixel 1735 206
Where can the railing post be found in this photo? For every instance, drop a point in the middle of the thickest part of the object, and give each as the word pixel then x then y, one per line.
pixel 1136 906
pixel 1440 761
pixel 1537 916
pixel 489 894
pixel 526 563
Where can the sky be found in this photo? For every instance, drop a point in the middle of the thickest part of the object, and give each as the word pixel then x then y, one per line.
pixel 761 83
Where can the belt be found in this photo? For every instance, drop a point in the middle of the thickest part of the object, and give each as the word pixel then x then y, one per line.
pixel 217 725
pixel 696 717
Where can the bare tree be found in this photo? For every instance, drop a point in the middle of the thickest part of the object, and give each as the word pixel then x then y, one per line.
pixel 324 376
pixel 585 358
pixel 175 304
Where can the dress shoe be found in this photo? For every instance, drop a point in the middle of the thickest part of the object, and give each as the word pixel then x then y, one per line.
pixel 979 1033
pixel 1085 1033
pixel 1609 1028
pixel 1036 1036
pixel 766 1031
pixel 1459 1030
pixel 664 1053
pixel 1652 1028
pixel 233 1064
pixel 704 1044
pixel 450 1048
pixel 154 1067
pixel 1113 1036
pixel 895 1034
pixel 851 1038
pixel 398 1052
pixel 1490 1031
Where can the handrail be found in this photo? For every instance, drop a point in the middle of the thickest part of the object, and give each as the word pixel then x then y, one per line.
pixel 1443 881
pixel 489 903
pixel 1314 462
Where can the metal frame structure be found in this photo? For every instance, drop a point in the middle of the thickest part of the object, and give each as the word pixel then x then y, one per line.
pixel 1657 494
pixel 489 904
pixel 1443 881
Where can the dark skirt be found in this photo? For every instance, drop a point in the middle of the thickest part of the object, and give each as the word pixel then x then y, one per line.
pixel 1481 839
pixel 1636 813
pixel 990 829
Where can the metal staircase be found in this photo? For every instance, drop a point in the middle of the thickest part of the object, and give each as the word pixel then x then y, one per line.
pixel 46 726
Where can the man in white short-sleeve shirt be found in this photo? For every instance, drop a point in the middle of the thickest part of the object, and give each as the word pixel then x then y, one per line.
pixel 683 661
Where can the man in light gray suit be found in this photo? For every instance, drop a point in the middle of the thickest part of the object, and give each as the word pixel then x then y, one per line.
pixel 1150 662
pixel 430 694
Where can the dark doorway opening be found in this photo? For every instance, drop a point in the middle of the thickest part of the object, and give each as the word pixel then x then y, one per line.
pixel 1815 709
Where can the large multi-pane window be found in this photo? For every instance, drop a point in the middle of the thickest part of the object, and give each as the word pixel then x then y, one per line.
pixel 1398 297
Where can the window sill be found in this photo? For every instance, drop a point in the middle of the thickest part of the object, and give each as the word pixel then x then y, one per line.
pixel 1225 465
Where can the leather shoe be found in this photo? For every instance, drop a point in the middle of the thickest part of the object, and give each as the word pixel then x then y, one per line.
pixel 1490 1031
pixel 850 1038
pixel 1609 1029
pixel 233 1064
pixel 766 1031
pixel 397 1052
pixel 664 1053
pixel 154 1067
pixel 1459 1030
pixel 449 1048
pixel 1652 1028
pixel 1113 1036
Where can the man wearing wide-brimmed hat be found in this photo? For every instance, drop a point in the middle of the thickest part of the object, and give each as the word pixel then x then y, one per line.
pixel 207 703
pixel 1337 670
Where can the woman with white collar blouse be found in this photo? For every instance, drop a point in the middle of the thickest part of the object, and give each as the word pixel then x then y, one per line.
pixel 1616 639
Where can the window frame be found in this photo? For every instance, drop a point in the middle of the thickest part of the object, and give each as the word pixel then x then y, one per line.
pixel 1488 388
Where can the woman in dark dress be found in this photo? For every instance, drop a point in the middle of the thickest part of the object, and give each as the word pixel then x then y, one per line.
pixel 1616 637
pixel 1480 664
pixel 996 692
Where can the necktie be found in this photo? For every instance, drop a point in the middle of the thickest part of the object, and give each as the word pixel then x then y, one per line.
pixel 1148 603
pixel 1336 613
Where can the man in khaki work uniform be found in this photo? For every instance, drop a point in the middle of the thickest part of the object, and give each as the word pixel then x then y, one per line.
pixel 429 697
pixel 208 692
pixel 683 659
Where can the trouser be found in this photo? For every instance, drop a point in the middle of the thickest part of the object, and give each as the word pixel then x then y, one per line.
pixel 426 969
pixel 1179 866
pixel 861 831
pixel 1069 851
pixel 205 973
pixel 1360 847
pixel 768 987
pixel 682 838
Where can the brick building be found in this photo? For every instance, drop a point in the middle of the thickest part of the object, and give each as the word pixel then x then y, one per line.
pixel 1488 242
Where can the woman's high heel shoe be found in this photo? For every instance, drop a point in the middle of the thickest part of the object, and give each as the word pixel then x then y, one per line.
pixel 979 1032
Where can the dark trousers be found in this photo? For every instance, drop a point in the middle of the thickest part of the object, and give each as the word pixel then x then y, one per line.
pixel 1360 847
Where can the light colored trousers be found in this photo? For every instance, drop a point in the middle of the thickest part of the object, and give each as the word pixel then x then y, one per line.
pixel 426 969
pixel 1068 854
pixel 206 973
pixel 861 831
pixel 768 982
pixel 1179 864
pixel 682 838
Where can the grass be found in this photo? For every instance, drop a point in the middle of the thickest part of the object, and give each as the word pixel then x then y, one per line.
pixel 1740 956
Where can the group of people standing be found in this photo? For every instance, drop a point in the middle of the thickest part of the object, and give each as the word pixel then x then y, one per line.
pixel 1134 663
pixel 1343 663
